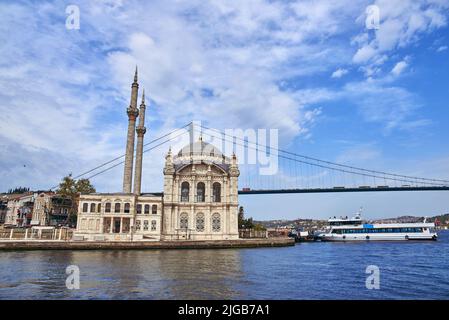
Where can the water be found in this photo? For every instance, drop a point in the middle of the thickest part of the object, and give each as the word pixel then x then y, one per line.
pixel 408 270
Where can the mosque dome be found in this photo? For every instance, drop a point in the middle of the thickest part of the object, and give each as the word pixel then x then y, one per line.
pixel 200 148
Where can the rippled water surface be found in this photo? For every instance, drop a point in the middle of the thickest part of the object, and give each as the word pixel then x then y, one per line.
pixel 408 270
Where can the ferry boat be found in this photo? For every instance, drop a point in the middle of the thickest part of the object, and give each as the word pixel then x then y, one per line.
pixel 355 229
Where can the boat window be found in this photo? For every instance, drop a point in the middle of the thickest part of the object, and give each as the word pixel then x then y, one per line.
pixel 379 230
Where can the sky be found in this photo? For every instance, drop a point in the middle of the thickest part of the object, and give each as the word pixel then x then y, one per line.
pixel 334 89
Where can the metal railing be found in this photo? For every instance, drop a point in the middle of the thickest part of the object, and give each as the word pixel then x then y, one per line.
pixel 36 234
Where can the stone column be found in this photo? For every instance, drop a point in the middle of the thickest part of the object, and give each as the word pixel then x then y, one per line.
pixel 139 155
pixel 140 130
pixel 133 113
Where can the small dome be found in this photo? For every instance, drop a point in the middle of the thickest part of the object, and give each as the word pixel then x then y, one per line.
pixel 200 147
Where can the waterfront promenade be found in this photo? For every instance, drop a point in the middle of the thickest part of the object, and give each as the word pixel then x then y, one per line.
pixel 121 245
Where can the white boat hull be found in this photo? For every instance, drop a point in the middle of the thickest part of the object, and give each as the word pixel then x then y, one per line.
pixel 378 237
pixel 355 229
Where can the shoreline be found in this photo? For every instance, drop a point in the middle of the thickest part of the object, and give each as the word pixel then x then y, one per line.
pixel 13 245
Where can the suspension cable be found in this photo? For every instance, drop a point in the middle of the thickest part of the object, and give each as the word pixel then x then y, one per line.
pixel 332 168
pixel 121 156
pixel 324 161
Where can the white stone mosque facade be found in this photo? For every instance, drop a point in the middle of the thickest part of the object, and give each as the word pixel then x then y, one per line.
pixel 199 200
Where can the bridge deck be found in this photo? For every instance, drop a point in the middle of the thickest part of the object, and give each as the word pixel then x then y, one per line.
pixel 335 190
pixel 338 189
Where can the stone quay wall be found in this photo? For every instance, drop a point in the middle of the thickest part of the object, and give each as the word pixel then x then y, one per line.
pixel 140 245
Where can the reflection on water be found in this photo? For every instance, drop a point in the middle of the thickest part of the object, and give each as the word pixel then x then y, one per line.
pixel 149 274
pixel 412 270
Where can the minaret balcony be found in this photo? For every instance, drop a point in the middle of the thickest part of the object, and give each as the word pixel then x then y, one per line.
pixel 132 112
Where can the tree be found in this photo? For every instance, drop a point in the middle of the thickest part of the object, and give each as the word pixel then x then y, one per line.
pixel 247 223
pixel 18 190
pixel 71 188
pixel 67 186
pixel 241 217
pixel 84 186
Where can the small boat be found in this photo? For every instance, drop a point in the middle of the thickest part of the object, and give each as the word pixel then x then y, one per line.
pixel 355 229
pixel 300 236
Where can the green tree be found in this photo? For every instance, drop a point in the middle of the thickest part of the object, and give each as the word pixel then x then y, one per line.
pixel 248 223
pixel 18 190
pixel 241 217
pixel 67 187
pixel 84 186
pixel 71 188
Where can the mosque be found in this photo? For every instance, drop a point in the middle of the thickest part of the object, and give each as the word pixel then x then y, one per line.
pixel 199 201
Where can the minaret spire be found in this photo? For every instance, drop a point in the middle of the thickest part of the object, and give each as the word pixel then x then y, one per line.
pixel 133 113
pixel 140 130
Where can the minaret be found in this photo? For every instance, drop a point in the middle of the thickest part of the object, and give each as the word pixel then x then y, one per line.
pixel 133 113
pixel 140 130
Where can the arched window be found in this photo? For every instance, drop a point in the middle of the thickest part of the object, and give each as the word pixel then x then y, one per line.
pixel 200 192
pixel 185 189
pixel 92 207
pixel 199 223
pixel 139 209
pixel 183 221
pixel 107 207
pixel 154 209
pixel 216 192
pixel 99 207
pixel 85 207
pixel 117 207
pixel 216 222
pixel 147 209
pixel 127 206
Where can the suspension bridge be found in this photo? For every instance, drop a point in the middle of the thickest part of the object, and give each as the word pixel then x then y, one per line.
pixel 296 173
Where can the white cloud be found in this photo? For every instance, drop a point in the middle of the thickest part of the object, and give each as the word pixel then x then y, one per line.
pixel 442 48
pixel 364 54
pixel 403 22
pixel 69 89
pixel 399 67
pixel 379 102
pixel 339 73
pixel 63 94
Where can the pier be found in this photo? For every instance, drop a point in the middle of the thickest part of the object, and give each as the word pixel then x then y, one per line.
pixel 142 245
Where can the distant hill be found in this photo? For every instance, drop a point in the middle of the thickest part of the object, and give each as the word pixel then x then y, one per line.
pixel 402 219
pixel 305 223
pixel 443 218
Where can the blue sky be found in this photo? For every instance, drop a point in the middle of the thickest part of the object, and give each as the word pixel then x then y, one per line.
pixel 334 89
